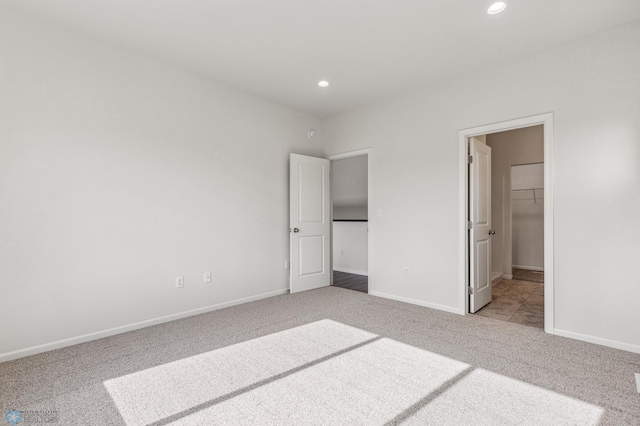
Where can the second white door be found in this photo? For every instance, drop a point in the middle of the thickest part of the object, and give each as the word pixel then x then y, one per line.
pixel 310 222
pixel 480 220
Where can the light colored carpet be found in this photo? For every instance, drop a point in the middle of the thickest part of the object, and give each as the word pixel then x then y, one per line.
pixel 329 356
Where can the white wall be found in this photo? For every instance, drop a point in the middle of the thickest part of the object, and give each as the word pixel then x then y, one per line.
pixel 343 212
pixel 350 247
pixel 527 216
pixel 592 87
pixel 349 194
pixel 119 173
pixel 520 146
pixel 349 188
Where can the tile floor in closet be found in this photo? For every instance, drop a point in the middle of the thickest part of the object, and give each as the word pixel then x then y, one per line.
pixel 517 301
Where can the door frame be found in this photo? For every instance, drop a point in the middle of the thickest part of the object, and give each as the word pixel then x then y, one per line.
pixel 463 190
pixel 342 156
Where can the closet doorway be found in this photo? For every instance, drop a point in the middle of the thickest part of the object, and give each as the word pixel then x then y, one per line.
pixel 520 225
pixel 517 223
pixel 350 221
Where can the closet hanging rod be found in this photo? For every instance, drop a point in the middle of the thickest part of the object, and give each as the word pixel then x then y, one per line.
pixel 527 189
pixel 533 191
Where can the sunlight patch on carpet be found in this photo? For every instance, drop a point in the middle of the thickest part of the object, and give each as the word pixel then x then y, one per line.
pixel 370 385
pixel 153 394
pixel 330 373
pixel 483 395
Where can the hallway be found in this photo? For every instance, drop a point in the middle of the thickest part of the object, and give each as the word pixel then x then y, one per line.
pixel 351 281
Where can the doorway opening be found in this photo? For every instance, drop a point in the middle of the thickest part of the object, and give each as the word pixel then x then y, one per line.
pixel 515 239
pixel 507 223
pixel 350 220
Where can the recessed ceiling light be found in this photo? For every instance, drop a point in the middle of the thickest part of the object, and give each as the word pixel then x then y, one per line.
pixel 497 7
pixel 323 83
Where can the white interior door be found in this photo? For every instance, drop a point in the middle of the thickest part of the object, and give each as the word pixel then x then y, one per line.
pixel 309 221
pixel 480 218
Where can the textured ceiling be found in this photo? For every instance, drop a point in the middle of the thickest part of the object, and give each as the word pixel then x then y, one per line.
pixel 368 49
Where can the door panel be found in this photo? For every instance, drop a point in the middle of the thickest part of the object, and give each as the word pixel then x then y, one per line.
pixel 311 190
pixel 311 253
pixel 483 268
pixel 309 204
pixel 480 216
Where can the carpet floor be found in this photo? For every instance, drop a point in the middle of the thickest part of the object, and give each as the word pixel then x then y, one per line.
pixel 327 356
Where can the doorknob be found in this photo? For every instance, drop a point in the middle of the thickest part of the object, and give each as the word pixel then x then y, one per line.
pixel 492 232
pixel 296 230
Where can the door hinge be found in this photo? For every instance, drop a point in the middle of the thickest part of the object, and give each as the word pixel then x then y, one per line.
pixel 469 159
pixel 469 225
pixel 470 290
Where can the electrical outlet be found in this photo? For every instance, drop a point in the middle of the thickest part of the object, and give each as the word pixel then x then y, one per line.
pixel 207 277
pixel 406 271
pixel 179 282
pixel 341 252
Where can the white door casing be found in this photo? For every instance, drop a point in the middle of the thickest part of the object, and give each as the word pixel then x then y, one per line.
pixel 546 120
pixel 480 218
pixel 310 222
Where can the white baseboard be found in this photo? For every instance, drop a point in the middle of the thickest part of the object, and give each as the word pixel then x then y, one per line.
pixel 495 277
pixel 529 268
pixel 598 341
pixel 8 356
pixel 351 271
pixel 507 277
pixel 453 310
